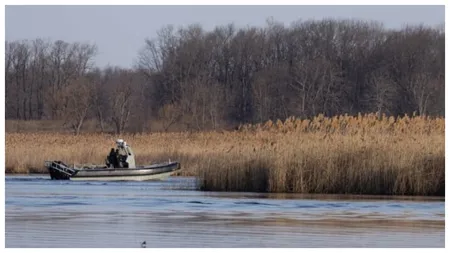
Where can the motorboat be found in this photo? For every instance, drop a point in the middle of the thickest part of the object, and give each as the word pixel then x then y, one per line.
pixel 120 166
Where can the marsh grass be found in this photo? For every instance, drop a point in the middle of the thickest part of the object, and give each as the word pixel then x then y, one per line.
pixel 365 154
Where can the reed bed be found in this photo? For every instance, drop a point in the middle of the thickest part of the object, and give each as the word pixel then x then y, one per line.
pixel 365 154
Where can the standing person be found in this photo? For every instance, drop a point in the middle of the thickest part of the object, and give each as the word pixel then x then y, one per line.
pixel 122 153
pixel 130 156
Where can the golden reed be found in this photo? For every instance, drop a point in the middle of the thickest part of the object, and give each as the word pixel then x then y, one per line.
pixel 365 154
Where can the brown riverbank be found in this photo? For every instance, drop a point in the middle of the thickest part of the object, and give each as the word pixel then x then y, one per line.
pixel 360 155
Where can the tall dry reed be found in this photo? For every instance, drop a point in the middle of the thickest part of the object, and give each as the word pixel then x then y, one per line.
pixel 365 154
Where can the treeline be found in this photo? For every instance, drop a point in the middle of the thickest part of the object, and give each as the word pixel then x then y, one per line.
pixel 201 79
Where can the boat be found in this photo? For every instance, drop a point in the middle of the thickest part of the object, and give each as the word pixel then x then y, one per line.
pixel 161 171
pixel 118 167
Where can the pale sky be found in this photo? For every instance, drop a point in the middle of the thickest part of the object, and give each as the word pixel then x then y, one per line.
pixel 120 31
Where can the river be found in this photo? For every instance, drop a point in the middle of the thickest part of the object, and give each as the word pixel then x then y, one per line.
pixel 43 213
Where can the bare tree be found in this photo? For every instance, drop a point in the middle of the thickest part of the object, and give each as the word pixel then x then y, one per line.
pixel 382 93
pixel 271 96
pixel 39 75
pixel 67 63
pixel 195 79
pixel 120 97
pixel 170 114
pixel 10 88
pixel 100 107
pixel 76 101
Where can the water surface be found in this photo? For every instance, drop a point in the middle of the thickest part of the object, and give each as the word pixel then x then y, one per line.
pixel 47 213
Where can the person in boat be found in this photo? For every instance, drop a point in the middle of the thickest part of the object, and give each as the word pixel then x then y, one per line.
pixel 129 156
pixel 111 159
pixel 122 157
pixel 122 154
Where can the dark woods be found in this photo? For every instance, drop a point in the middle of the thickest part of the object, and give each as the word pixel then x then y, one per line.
pixel 194 79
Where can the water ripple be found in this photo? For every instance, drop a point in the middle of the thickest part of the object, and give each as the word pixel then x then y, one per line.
pixel 44 213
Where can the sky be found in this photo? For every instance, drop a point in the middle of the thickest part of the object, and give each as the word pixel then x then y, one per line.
pixel 120 31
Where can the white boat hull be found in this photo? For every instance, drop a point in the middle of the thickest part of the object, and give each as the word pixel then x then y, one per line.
pixel 155 177
pixel 161 171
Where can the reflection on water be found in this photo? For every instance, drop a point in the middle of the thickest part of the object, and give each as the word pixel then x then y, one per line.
pixel 46 213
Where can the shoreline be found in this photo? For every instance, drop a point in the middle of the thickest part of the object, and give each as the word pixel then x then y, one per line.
pixel 339 155
pixel 281 195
